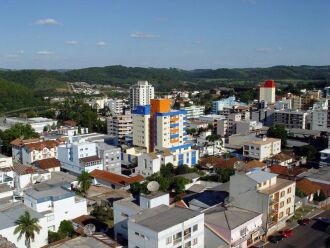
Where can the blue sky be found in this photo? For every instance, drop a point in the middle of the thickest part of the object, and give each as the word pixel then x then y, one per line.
pixel 186 34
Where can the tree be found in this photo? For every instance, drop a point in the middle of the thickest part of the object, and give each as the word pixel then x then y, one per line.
pixel 27 226
pixel 179 184
pixel 182 169
pixel 54 236
pixel 167 170
pixel 103 212
pixel 224 174
pixel 309 151
pixel 84 182
pixel 320 197
pixel 17 131
pixel 299 193
pixel 278 131
pixel 66 228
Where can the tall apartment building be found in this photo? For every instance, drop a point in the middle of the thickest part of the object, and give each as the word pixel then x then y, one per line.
pixel 116 106
pixel 267 92
pixel 265 193
pixel 194 112
pixel 262 149
pixel 119 125
pixel 79 155
pixel 110 155
pixel 163 128
pixel 290 118
pixel 226 127
pixel 141 94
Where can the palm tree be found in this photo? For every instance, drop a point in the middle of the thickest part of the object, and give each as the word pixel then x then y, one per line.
pixel 84 181
pixel 27 226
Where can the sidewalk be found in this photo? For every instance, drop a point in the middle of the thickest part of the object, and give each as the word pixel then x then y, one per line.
pixel 311 214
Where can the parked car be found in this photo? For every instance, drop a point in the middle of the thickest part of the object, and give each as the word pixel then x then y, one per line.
pixel 286 233
pixel 275 238
pixel 304 222
pixel 324 220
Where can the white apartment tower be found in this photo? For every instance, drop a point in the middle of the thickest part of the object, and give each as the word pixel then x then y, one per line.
pixel 141 94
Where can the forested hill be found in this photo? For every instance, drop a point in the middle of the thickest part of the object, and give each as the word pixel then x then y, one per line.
pixel 43 82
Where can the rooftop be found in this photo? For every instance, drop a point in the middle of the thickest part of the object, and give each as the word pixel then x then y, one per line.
pixel 229 217
pixel 321 175
pixel 89 159
pixel 115 178
pixel 162 217
pixel 21 169
pixel 9 216
pixel 48 163
pixel 260 176
pixel 44 192
pixel 280 184
pixel 307 186
pixel 254 164
pixel 262 141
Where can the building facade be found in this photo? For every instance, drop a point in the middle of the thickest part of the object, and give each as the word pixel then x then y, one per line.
pixel 141 94
pixel 291 118
pixel 267 92
pixel 262 149
pixel 120 125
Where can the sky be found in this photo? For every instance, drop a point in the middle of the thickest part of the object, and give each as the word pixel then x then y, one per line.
pixel 186 34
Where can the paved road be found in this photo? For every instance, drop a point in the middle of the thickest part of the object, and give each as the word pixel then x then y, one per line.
pixel 311 236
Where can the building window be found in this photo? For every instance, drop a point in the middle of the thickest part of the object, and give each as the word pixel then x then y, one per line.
pixel 289 190
pixel 281 204
pixel 168 240
pixel 280 215
pixel 288 200
pixel 243 232
pixel 187 245
pixel 195 241
pixel 195 228
pixel 288 211
pixel 282 193
pixel 137 234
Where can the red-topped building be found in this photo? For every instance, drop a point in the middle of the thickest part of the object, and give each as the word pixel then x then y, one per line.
pixel 267 92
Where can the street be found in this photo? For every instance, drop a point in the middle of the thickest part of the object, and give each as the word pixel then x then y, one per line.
pixel 310 236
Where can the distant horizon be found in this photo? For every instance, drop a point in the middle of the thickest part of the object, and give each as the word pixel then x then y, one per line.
pixel 150 67
pixel 161 34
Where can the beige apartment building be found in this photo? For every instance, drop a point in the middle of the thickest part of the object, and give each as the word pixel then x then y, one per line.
pixel 262 149
pixel 120 125
pixel 266 193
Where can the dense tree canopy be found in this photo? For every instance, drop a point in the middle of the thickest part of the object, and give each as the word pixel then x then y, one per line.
pixel 278 131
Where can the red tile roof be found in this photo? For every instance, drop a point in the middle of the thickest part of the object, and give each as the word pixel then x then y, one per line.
pixel 254 164
pixel 284 170
pixel 181 203
pixel 19 142
pixel 48 163
pixel 324 187
pixel 269 84
pixel 307 186
pixel 115 178
pixel 89 159
pixel 219 162
pixel 21 169
pixel 42 144
pixel 282 157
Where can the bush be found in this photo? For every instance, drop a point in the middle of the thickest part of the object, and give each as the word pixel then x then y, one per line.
pixel 66 228
pixel 54 236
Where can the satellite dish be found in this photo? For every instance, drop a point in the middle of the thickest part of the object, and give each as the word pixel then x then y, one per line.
pixel 89 229
pixel 153 186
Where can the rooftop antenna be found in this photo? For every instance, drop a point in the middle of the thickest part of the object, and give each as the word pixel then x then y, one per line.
pixel 153 186
pixel 89 229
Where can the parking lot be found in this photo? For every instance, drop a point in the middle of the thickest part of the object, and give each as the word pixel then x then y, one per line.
pixel 312 235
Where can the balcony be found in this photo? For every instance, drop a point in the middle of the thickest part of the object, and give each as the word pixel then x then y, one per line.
pixel 177 241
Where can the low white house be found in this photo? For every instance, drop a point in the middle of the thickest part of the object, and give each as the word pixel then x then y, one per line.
pixel 262 149
pixel 25 176
pixel 150 163
pixel 164 226
pixel 236 227
pixel 8 217
pixel 5 161
pixel 56 202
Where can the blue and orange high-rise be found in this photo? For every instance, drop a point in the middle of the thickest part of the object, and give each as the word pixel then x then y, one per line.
pixel 167 129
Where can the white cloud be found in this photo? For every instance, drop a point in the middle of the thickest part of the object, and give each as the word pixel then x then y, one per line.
pixel 47 21
pixel 264 49
pixel 142 35
pixel 101 43
pixel 44 52
pixel 72 42
pixel 20 52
